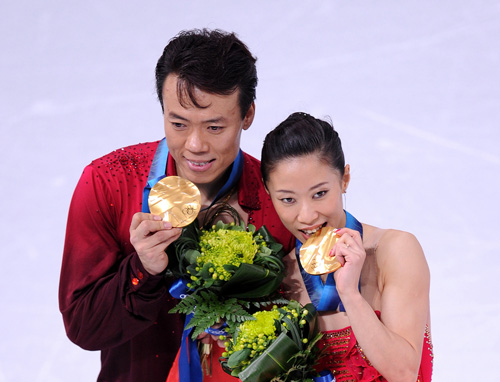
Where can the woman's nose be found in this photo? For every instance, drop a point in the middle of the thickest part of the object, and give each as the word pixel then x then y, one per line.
pixel 307 214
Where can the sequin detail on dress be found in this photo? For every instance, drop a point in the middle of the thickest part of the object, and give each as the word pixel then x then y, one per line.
pixel 345 359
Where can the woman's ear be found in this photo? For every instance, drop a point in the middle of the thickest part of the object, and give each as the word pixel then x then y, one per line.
pixel 265 186
pixel 346 178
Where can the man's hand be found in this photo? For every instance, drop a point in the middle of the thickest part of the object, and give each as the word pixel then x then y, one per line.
pixel 150 236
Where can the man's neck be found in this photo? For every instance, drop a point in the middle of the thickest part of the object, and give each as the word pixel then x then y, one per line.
pixel 209 191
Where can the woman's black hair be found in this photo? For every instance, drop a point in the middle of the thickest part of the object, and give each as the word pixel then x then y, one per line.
pixel 298 135
pixel 213 61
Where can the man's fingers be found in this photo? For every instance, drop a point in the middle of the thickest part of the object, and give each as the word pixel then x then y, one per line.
pixel 152 235
pixel 140 217
pixel 144 225
pixel 164 237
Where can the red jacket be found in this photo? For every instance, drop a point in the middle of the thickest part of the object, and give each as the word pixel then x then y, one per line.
pixel 101 307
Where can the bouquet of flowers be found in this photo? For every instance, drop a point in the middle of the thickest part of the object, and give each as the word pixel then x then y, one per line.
pixel 226 269
pixel 278 346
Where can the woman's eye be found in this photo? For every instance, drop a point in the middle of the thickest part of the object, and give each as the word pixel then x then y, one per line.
pixel 320 194
pixel 287 200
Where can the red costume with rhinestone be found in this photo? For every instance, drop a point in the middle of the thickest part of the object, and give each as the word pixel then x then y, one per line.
pixel 108 300
pixel 345 359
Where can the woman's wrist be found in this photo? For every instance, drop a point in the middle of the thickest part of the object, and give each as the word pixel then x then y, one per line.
pixel 352 298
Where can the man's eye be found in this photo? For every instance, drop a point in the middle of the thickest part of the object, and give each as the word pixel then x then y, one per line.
pixel 214 128
pixel 178 125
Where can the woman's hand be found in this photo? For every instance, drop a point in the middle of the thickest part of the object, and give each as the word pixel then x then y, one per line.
pixel 350 252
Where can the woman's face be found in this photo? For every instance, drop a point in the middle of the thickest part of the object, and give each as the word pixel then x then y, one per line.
pixel 307 194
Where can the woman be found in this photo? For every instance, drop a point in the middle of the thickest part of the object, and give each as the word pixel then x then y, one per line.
pixel 374 310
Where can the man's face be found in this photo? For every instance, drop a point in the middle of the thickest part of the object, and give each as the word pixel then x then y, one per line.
pixel 203 141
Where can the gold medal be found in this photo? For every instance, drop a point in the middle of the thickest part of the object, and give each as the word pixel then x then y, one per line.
pixel 315 252
pixel 176 200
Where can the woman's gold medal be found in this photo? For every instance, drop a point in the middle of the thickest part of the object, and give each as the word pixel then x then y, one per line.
pixel 315 252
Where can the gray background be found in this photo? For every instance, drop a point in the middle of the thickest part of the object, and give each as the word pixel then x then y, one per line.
pixel 412 87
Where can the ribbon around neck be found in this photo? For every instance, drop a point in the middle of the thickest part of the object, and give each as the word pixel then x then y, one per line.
pixel 156 172
pixel 325 296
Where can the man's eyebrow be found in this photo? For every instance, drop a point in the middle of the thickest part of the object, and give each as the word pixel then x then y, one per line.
pixel 177 116
pixel 215 120
pixel 211 120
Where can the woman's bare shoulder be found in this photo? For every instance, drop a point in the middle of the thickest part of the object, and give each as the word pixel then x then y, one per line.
pixel 394 249
pixel 396 242
pixel 388 239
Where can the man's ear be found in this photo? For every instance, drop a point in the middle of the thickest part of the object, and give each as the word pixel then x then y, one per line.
pixel 247 121
pixel 346 178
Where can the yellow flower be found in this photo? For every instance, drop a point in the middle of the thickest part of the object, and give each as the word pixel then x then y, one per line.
pixel 256 334
pixel 226 247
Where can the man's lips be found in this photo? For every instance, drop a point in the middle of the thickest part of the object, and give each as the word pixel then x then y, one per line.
pixel 199 165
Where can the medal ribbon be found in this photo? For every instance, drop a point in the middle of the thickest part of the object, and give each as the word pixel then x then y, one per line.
pixel 189 359
pixel 156 172
pixel 325 296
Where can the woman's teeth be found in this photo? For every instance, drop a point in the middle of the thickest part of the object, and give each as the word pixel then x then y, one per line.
pixel 312 231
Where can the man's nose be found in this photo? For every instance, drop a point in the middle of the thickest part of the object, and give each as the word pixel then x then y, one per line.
pixel 195 141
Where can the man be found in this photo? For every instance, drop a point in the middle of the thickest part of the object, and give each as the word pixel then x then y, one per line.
pixel 113 289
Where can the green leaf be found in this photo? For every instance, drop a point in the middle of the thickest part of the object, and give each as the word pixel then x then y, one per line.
pixel 265 251
pixel 292 328
pixel 271 363
pixel 266 235
pixel 311 319
pixel 208 283
pixel 230 268
pixel 275 246
pixel 191 255
pixel 208 309
pixel 185 306
pixel 205 273
pixel 192 269
pixel 238 356
pixel 251 281
pixel 271 263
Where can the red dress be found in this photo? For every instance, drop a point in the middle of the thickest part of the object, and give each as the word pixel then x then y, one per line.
pixel 345 358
